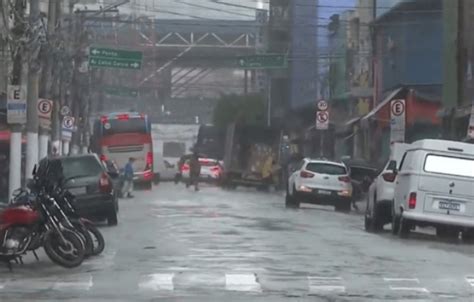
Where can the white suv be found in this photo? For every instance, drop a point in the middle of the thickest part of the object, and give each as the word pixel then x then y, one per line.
pixel 320 182
pixel 380 194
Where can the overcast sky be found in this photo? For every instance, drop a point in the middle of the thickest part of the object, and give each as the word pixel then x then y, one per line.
pixel 192 9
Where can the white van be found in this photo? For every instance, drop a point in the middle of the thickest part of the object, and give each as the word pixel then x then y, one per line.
pixel 435 187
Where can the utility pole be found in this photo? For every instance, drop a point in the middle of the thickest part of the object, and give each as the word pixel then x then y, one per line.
pixel 14 180
pixel 56 80
pixel 47 80
pixel 32 122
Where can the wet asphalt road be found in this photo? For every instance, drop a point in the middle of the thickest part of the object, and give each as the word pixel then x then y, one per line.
pixel 173 244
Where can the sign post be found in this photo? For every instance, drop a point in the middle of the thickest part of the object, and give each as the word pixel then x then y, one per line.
pixel 322 123
pixel 115 58
pixel 16 104
pixel 397 121
pixel 45 107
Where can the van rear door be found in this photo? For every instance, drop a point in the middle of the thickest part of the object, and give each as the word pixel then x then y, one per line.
pixel 447 182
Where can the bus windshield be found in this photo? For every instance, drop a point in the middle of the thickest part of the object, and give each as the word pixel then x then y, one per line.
pixel 131 125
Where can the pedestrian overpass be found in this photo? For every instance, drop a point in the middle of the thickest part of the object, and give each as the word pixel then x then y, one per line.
pixel 179 53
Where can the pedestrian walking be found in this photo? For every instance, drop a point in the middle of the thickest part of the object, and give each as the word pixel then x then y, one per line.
pixel 194 172
pixel 128 178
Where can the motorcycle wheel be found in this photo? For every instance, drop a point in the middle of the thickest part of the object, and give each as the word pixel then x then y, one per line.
pixel 98 242
pixel 69 253
pixel 86 237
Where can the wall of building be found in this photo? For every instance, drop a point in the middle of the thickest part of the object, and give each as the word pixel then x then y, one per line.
pixel 409 48
pixel 304 53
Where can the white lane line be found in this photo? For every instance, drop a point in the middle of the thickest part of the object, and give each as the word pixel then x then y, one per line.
pixel 74 285
pixel 470 280
pixel 325 284
pixel 2 286
pixel 416 280
pixel 413 289
pixel 242 282
pixel 157 282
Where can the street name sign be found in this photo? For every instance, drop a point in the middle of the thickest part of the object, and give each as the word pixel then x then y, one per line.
pixel 121 91
pixel 266 61
pixel 115 58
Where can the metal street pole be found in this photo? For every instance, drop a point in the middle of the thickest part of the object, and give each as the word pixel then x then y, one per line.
pixel 47 78
pixel 14 178
pixel 32 122
pixel 57 84
pixel 269 100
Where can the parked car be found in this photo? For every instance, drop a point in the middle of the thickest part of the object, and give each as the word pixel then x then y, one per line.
pixel 434 187
pixel 211 169
pixel 362 173
pixel 322 182
pixel 93 187
pixel 380 194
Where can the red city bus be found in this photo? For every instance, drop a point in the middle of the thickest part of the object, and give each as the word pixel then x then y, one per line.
pixel 119 136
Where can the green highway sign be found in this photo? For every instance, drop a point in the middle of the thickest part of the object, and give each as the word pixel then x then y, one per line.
pixel 266 61
pixel 121 91
pixel 115 58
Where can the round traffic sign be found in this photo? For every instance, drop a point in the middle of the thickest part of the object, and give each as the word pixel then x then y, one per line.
pixel 322 116
pixel 45 106
pixel 323 105
pixel 398 107
pixel 68 122
pixel 65 110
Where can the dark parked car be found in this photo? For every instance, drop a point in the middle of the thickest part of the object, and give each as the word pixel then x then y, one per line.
pixel 90 182
pixel 362 174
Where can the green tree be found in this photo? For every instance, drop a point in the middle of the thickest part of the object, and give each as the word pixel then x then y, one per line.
pixel 247 109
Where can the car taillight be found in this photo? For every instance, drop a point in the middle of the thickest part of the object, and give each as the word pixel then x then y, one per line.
pixel 104 184
pixel 103 157
pixel 306 174
pixel 185 167
pixel 388 177
pixel 149 160
pixel 344 179
pixel 104 119
pixel 123 117
pixel 412 200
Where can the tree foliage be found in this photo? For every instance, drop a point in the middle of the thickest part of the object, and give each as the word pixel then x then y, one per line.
pixel 246 109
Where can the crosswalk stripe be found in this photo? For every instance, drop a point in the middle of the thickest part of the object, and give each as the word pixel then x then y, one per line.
pixel 242 282
pixel 414 289
pixel 325 284
pixel 470 280
pixel 157 282
pixel 416 280
pixel 86 284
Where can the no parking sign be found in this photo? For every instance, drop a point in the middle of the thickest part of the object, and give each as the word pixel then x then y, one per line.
pixel 67 127
pixel 45 107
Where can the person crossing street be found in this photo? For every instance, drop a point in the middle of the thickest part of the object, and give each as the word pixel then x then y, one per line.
pixel 128 174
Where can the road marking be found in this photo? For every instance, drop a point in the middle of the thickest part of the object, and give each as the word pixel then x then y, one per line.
pixel 79 285
pixel 157 282
pixel 325 284
pixel 242 282
pixel 416 280
pixel 470 280
pixel 413 289
pixel 405 282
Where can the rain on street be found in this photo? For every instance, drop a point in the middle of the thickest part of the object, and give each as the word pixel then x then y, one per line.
pixel 174 244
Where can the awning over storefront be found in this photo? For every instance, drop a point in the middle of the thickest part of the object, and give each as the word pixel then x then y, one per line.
pixel 384 102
